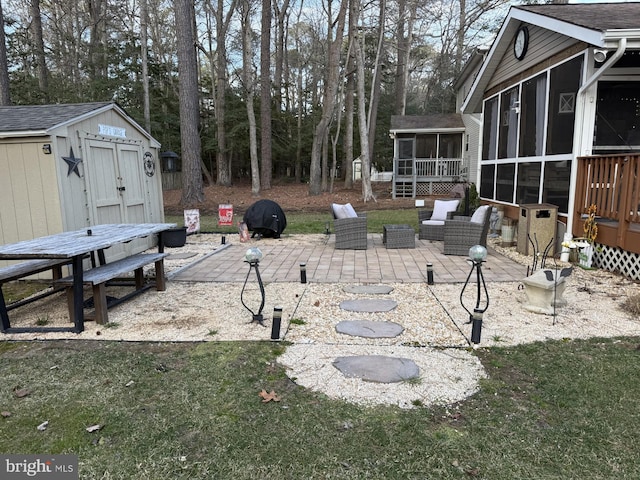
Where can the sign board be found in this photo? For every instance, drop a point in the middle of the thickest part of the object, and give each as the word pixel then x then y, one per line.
pixel 225 214
pixel 192 220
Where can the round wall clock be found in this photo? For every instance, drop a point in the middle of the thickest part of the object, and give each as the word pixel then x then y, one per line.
pixel 521 43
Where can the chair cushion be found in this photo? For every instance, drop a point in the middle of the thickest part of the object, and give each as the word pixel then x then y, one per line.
pixel 442 207
pixel 479 215
pixel 433 222
pixel 343 211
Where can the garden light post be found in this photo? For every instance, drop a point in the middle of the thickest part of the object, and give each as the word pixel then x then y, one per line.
pixel 253 257
pixel 477 256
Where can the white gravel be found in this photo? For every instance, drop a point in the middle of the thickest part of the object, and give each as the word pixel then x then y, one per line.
pixel 435 335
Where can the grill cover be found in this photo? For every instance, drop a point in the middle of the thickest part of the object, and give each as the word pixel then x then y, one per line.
pixel 265 218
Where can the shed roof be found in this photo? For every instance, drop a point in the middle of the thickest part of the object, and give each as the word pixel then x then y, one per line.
pixel 435 122
pixel 41 120
pixel 35 118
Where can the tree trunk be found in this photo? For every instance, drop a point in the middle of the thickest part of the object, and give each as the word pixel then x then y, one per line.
pixel 265 94
pixel 375 83
pixel 5 96
pixel 222 162
pixel 144 20
pixel 333 74
pixel 192 193
pixel 367 192
pixel 247 79
pixel 43 74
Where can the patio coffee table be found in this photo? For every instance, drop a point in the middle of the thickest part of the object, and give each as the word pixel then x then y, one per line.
pixel 398 236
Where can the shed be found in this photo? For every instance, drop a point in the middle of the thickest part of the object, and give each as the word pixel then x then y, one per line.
pixel 67 167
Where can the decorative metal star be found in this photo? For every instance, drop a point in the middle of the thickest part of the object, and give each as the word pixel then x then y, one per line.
pixel 73 162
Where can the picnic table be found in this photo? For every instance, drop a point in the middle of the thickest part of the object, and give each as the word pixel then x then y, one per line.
pixel 73 247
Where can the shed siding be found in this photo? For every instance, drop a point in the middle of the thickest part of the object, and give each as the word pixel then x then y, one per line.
pixel 542 45
pixel 30 205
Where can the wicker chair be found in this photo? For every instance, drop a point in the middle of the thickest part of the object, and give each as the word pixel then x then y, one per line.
pixel 434 230
pixel 462 233
pixel 351 233
pixel 350 227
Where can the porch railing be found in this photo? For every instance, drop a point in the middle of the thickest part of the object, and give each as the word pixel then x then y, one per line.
pixel 612 184
pixel 431 168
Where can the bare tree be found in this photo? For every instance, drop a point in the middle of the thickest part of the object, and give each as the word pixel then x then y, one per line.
pixel 144 20
pixel 367 192
pixel 333 74
pixel 406 16
pixel 248 83
pixel 5 96
pixel 36 27
pixel 265 94
pixel 192 192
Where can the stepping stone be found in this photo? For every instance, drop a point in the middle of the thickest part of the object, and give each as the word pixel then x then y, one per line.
pixel 369 329
pixel 368 289
pixel 180 256
pixel 369 305
pixel 377 368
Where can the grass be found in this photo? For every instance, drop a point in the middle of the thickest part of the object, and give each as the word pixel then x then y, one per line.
pixel 299 223
pixel 553 410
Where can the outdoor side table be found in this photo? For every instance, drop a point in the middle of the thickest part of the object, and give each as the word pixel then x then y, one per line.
pixel 398 236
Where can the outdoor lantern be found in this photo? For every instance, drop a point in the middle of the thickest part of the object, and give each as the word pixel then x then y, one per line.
pixel 253 256
pixel 477 256
pixel 478 253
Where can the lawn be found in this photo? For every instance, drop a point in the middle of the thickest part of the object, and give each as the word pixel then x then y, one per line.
pixel 561 410
pixel 298 223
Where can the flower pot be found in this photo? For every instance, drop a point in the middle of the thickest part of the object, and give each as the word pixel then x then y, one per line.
pixel 174 237
pixel 585 256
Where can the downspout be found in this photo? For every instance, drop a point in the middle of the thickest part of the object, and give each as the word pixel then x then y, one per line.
pixel 578 136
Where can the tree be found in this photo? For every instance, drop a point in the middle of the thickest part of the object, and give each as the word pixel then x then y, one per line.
pixel 189 105
pixel 265 94
pixel 43 73
pixel 248 83
pixel 333 74
pixel 5 96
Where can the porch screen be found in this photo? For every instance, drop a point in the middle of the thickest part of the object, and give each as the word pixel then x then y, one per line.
pixel 528 189
pixel 563 86
pixel 532 114
pixel 487 177
pixel 617 126
pixel 490 133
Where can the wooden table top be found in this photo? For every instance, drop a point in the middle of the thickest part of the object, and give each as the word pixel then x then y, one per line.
pixel 80 242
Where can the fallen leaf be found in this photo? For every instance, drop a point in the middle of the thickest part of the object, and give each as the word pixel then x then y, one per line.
pixel 5 414
pixel 94 428
pixel 21 392
pixel 43 426
pixel 267 397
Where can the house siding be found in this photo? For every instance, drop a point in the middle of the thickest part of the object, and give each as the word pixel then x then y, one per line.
pixel 543 44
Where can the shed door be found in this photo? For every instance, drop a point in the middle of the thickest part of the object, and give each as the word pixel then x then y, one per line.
pixel 117 185
pixel 115 172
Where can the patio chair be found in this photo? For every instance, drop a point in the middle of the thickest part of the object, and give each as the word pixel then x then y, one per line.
pixel 350 228
pixel 432 221
pixel 462 233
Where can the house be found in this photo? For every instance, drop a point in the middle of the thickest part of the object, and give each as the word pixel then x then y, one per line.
pixel 559 96
pixel 433 153
pixel 67 167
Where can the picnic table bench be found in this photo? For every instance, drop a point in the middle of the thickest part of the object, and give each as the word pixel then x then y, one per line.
pixel 72 247
pixel 22 270
pixel 99 277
